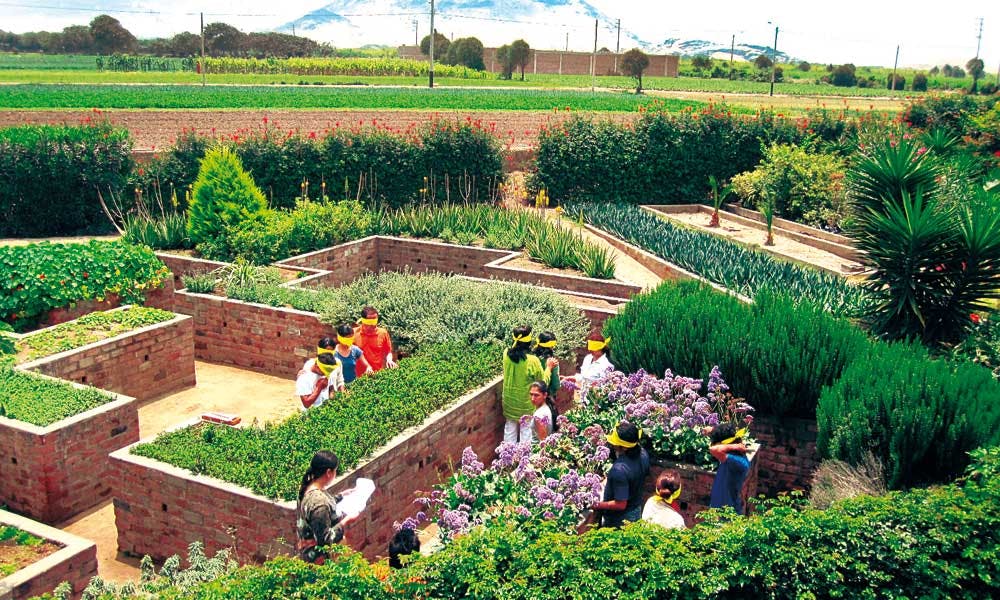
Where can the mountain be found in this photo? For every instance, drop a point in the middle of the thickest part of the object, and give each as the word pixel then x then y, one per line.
pixel 718 50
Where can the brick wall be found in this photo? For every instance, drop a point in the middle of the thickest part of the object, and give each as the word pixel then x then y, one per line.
pixel 696 484
pixel 788 457
pixel 161 297
pixel 75 563
pixel 145 363
pixel 160 509
pixel 52 473
pixel 181 265
pixel 344 263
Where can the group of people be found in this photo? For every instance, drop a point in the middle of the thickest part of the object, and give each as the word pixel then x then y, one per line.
pixel 531 379
pixel 358 350
pixel 623 498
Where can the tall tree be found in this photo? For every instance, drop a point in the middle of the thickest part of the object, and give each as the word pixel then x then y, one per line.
pixel 467 52
pixel 520 52
pixel 222 39
pixel 77 39
pixel 634 63
pixel 975 67
pixel 111 37
pixel 185 43
pixel 506 61
pixel 441 44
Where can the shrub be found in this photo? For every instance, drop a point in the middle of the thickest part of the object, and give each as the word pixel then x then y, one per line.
pixel 919 416
pixel 223 196
pixel 806 187
pixel 166 232
pixel 22 392
pixel 836 480
pixel 919 82
pixel 895 82
pixel 50 177
pixel 200 284
pixel 951 112
pixel 844 76
pixel 36 278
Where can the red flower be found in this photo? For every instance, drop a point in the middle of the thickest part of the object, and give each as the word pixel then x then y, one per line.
pixel 975 318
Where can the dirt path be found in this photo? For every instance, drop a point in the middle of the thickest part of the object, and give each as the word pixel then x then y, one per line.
pixel 220 388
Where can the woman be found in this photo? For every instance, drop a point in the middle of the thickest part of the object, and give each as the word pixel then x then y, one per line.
pixel 595 365
pixel 662 507
pixel 622 500
pixel 544 349
pixel 350 357
pixel 544 418
pixel 520 369
pixel 317 522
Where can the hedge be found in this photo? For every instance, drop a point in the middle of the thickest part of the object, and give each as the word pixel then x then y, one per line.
pixel 37 278
pixel 50 177
pixel 41 401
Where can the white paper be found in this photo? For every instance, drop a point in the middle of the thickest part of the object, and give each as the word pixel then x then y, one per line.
pixel 354 503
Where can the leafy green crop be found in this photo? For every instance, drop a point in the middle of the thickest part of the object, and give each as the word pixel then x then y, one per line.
pixel 270 461
pixel 40 401
pixel 724 262
pixel 36 278
pixel 88 329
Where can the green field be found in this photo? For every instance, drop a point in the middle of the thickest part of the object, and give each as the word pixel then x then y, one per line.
pixel 253 97
pixel 59 62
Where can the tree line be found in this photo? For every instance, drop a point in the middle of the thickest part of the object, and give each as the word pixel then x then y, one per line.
pixel 106 35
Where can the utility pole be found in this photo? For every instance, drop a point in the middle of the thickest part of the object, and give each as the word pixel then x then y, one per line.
pixel 203 66
pixel 618 41
pixel 593 62
pixel 979 38
pixel 892 85
pixel 567 41
pixel 433 35
pixel 416 33
pixel 293 29
pixel 732 51
pixel 774 58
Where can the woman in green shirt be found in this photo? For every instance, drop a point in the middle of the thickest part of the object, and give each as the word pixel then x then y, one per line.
pixel 520 370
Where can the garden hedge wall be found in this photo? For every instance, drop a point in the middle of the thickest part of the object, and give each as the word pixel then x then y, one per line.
pixel 50 177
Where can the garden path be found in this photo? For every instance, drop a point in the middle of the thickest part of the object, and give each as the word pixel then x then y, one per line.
pixel 220 388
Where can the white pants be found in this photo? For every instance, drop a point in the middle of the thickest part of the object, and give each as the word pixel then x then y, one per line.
pixel 514 433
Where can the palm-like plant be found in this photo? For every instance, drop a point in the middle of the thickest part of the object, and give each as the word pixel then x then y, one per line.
pixel 894 167
pixel 766 208
pixel 718 197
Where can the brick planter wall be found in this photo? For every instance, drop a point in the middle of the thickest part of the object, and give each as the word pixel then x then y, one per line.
pixel 161 297
pixel 788 457
pixel 52 473
pixel 75 563
pixel 696 485
pixel 160 509
pixel 145 363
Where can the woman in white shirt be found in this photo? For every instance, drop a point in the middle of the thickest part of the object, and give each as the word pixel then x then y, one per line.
pixel 595 365
pixel 543 421
pixel 662 507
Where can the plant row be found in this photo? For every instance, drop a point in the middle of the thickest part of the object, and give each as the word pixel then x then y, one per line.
pixel 367 67
pixel 918 415
pixel 938 542
pixel 37 278
pixel 721 261
pixel 88 329
pixel 41 401
pixel 12 536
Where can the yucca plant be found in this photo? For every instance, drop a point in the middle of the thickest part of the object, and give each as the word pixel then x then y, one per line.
pixel 891 168
pixel 939 141
pixel 766 208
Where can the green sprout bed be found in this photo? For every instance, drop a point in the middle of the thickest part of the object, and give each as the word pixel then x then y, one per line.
pixel 87 330
pixel 40 401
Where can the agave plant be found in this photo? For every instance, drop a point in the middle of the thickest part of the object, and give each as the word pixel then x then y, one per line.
pixel 939 141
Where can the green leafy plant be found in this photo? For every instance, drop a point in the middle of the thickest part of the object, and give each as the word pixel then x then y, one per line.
pixel 22 392
pixel 718 197
pixel 200 284
pixel 766 208
pixel 88 329
pixel 224 195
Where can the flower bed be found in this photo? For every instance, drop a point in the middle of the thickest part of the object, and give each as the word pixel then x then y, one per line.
pixel 56 470
pixel 74 561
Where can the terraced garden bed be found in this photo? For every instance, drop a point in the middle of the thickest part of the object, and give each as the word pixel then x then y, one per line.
pixel 34 559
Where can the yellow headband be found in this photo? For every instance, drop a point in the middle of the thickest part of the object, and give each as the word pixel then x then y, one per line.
pixel 323 350
pixel 594 345
pixel 549 344
pixel 372 322
pixel 523 338
pixel 326 369
pixel 673 497
pixel 614 440
pixel 739 434
pixel 347 341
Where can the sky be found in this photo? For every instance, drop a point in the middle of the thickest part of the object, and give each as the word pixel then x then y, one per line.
pixel 865 32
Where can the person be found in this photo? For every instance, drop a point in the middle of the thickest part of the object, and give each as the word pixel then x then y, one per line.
pixel 622 499
pixel 662 507
pixel 728 448
pixel 404 543
pixel 595 365
pixel 313 385
pixel 317 522
pixel 544 349
pixel 520 369
pixel 544 418
pixel 374 341
pixel 351 358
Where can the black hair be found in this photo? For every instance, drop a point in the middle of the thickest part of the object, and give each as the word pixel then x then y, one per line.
pixel 519 351
pixel 327 359
pixel 668 480
pixel 368 311
pixel 629 433
pixel 723 431
pixel 326 342
pixel 322 461
pixel 403 543
pixel 544 388
pixel 345 330
pixel 597 336
pixel 544 353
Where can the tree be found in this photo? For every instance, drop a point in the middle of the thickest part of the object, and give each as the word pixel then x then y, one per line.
pixel 899 84
pixel 701 62
pixel 762 62
pixel 935 70
pixel 506 61
pixel 804 66
pixel 920 82
pixel 634 62
pixel 844 76
pixel 975 67
pixel 223 195
pixel 224 40
pixel 441 44
pixel 185 44
pixel 110 37
pixel 77 39
pixel 520 52
pixel 467 52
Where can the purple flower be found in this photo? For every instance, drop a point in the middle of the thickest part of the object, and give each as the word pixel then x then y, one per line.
pixel 471 466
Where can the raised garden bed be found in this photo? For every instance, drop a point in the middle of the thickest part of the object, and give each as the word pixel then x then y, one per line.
pixel 58 557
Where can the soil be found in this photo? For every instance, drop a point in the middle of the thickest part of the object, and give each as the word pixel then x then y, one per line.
pixel 14 557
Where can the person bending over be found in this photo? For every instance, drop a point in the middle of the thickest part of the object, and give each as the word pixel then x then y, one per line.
pixel 317 522
pixel 728 448
pixel 313 386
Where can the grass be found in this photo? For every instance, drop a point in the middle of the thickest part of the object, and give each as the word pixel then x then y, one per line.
pixel 256 97
pixel 23 392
